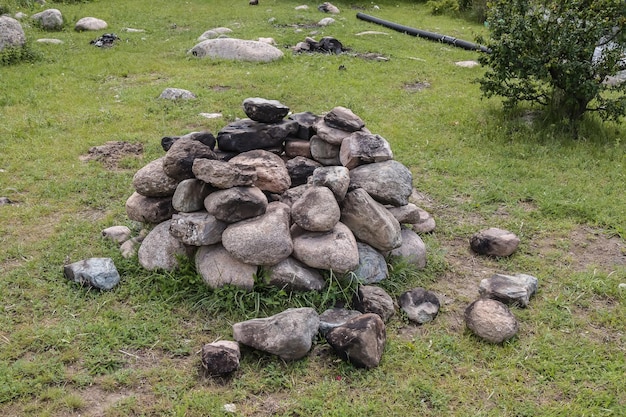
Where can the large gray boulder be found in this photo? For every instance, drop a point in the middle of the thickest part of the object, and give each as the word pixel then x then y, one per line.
pixel 50 19
pixel 293 275
pixel 218 267
pixel 90 23
pixel 152 181
pixel 160 249
pixel 370 221
pixel 236 49
pixel 288 335
pixel 494 242
pixel 236 204
pixel 262 240
pixel 388 182
pixel 197 229
pixel 271 171
pixel 11 33
pixel 316 210
pixel 246 134
pixel 335 250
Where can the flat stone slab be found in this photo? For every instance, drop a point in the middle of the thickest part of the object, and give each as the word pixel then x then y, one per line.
pixel 236 49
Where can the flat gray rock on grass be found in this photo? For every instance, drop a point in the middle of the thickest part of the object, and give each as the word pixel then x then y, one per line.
pixel 171 93
pixel 236 49
pixel 288 335
pixel 96 272
pixel 509 289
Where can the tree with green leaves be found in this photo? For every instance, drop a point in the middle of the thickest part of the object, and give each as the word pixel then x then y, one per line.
pixel 562 54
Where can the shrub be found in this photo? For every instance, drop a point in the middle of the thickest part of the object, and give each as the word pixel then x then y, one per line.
pixel 557 53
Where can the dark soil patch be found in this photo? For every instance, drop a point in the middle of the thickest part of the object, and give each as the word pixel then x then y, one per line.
pixel 111 153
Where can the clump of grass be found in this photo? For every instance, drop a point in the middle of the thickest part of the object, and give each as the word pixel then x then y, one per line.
pixel 19 54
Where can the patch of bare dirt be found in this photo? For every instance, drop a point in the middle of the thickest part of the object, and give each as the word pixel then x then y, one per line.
pixel 98 401
pixel 111 153
pixel 584 248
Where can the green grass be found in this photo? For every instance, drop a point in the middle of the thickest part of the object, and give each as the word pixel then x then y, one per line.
pixel 134 351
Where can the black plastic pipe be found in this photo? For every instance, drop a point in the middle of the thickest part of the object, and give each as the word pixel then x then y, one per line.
pixel 424 34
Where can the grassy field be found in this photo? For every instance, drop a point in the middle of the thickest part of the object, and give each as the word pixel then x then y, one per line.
pixel 66 350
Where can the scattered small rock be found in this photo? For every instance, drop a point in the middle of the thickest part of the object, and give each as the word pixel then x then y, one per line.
pixel 177 94
pixel 99 273
pixel 118 234
pixel 360 341
pixel 220 358
pixel 328 7
pixel 420 305
pixel 491 320
pixel 372 299
pixel 494 242
pixel 509 289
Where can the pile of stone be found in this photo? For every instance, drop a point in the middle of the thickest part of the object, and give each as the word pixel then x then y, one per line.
pixel 295 195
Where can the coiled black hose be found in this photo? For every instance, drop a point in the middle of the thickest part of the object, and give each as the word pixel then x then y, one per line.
pixel 424 34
